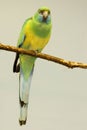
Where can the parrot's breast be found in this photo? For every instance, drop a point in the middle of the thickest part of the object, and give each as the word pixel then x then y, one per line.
pixel 34 41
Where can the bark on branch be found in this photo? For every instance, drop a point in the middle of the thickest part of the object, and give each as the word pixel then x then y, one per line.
pixel 69 64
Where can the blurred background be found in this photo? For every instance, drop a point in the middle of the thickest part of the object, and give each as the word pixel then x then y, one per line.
pixel 58 95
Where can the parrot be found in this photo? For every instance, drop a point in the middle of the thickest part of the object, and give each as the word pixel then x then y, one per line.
pixel 34 35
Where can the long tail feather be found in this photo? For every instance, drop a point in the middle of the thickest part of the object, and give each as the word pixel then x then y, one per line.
pixel 24 96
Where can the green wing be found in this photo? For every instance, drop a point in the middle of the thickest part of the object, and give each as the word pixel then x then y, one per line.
pixel 16 66
pixel 22 34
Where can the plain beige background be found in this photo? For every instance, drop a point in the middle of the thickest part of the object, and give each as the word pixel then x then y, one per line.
pixel 58 96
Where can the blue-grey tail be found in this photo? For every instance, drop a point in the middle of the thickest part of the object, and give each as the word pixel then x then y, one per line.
pixel 24 88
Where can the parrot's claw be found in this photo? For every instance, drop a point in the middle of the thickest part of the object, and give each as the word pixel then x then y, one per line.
pixel 34 52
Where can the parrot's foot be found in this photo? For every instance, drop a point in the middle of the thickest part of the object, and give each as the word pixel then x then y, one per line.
pixel 21 122
pixel 34 52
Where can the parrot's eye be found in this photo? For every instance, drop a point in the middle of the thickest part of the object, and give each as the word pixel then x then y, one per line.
pixel 48 12
pixel 40 11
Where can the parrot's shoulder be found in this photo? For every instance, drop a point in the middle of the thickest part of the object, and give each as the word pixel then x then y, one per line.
pixel 23 32
pixel 26 22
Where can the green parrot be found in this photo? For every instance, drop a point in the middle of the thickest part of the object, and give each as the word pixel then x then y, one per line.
pixel 34 35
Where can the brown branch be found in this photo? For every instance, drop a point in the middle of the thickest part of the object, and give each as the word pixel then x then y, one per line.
pixel 69 64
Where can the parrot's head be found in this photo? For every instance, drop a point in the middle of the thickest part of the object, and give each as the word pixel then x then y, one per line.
pixel 43 15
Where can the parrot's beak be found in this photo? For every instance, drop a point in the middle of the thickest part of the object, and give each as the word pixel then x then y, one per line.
pixel 45 14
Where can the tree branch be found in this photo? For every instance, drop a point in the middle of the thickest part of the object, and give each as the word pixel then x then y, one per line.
pixel 69 64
